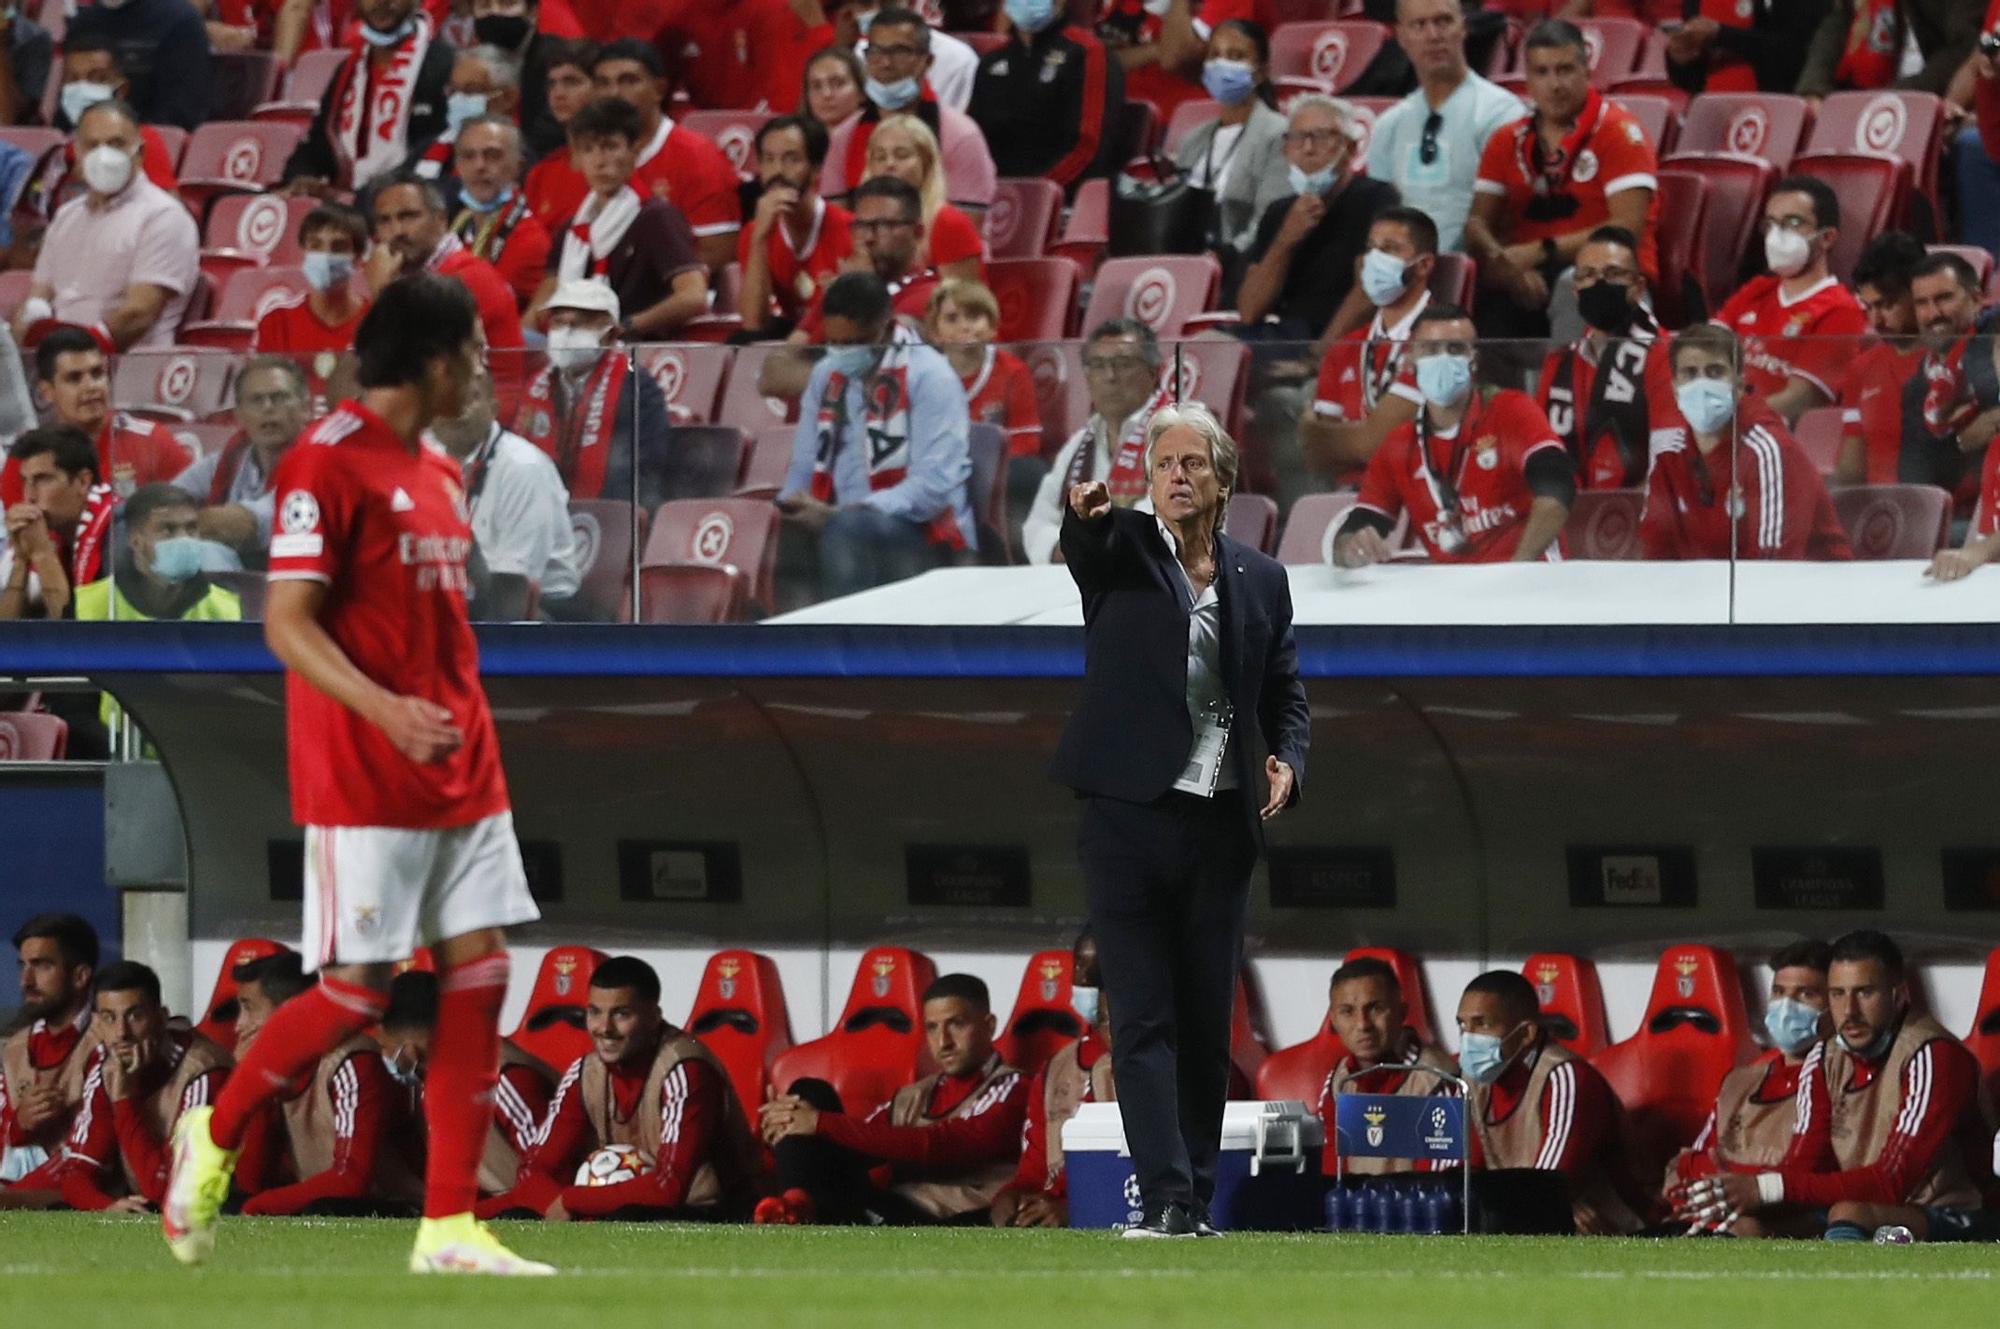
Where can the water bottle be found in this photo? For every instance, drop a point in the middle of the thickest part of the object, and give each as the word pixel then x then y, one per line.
pixel 1373 1211
pixel 1430 1214
pixel 1333 1211
pixel 1450 1219
pixel 1408 1216
pixel 1349 1200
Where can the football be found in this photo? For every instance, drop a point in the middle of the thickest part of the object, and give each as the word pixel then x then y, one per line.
pixel 612 1164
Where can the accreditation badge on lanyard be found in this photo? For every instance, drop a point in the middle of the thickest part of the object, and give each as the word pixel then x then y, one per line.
pixel 1449 531
pixel 1211 741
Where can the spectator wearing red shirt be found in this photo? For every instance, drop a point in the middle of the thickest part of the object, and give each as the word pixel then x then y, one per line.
pixel 1481 474
pixel 318 328
pixel 952 1139
pixel 742 55
pixel 796 240
pixel 1799 326
pixel 1951 404
pixel 904 147
pixel 963 319
pixel 413 234
pixel 1731 482
pixel 1577 162
pixel 1871 394
pixel 72 372
pixel 1078 1073
pixel 494 220
pixel 551 182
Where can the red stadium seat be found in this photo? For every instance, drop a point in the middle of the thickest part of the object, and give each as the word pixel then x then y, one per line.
pixel 36 141
pixel 1694 1032
pixel 744 406
pixel 1984 1040
pixel 1737 187
pixel 1818 432
pixel 1037 298
pixel 735 132
pixel 605 537
pixel 1059 390
pixel 1572 1000
pixel 703 461
pixel 1214 371
pixel 202 437
pixel 1162 292
pixel 248 295
pixel 305 86
pixel 1247 1049
pixel 690 378
pixel 739 1014
pixel 1252 519
pixel 240 81
pixel 1909 126
pixel 173 142
pixel 1656 116
pixel 1087 228
pixel 1873 192
pixel 1893 521
pixel 1613 45
pixel 719 532
pixel 1455 277
pixel 1300 1070
pixel 1652 61
pixel 551 1027
pixel 32 736
pixel 1770 125
pixel 1682 296
pixel 218 1020
pixel 1981 260
pixel 1309 531
pixel 249 229
pixel 1332 55
pixel 1604 524
pixel 182 383
pixel 877 1046
pixel 1189 116
pixel 691 593
pixel 1042 1020
pixel 1022 220
pixel 770 458
pixel 235 157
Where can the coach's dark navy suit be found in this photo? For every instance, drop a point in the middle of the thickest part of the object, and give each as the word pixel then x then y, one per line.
pixel 1168 873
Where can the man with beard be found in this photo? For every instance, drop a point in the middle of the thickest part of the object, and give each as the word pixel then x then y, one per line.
pixel 413 233
pixel 796 240
pixel 1871 398
pixel 1947 403
pixel 43 1063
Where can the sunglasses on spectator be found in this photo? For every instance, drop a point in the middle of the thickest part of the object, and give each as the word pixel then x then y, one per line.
pixel 1427 151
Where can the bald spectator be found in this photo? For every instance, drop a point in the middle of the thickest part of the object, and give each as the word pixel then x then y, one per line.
pixel 163 46
pixel 494 221
pixel 400 66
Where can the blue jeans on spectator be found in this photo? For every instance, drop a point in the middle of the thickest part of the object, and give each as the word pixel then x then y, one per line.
pixel 1978 191
pixel 862 547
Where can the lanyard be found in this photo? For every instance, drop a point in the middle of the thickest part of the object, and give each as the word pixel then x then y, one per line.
pixel 1447 481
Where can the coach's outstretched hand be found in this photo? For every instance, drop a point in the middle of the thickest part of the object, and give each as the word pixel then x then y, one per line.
pixel 1281 779
pixel 421 730
pixel 1090 499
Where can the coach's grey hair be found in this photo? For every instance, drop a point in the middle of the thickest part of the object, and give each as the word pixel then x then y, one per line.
pixel 1343 114
pixel 1195 416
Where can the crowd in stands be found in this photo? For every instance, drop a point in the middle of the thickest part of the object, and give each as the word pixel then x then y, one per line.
pixel 1860 1112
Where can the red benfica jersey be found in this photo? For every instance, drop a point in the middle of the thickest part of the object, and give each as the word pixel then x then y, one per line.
pixel 909 299
pixel 1983 521
pixel 1777 506
pixel 678 165
pixel 1814 335
pixel 1614 155
pixel 1871 405
pixel 385 529
pixel 498 313
pixel 740 55
pixel 1365 366
pixel 1484 461
pixel 292 329
pixel 555 189
pixel 130 452
pixel 1002 392
pixel 797 274
pixel 1568 386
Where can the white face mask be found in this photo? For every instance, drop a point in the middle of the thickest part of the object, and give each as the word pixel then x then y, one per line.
pixel 81 96
pixel 574 348
pixel 106 169
pixel 1787 251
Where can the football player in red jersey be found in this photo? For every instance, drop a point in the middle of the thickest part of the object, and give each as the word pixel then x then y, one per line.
pixel 395 771
pixel 1871 398
pixel 1369 1013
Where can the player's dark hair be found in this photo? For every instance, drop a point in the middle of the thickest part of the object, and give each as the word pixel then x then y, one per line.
pixel 413 1001
pixel 576 52
pixel 280 976
pixel 640 53
pixel 1515 993
pixel 1364 967
pixel 129 976
pixel 962 987
pixel 1962 272
pixel 1805 953
pixel 1439 311
pixel 1614 235
pixel 159 496
pixel 1867 944
pixel 71 447
pixel 606 117
pixel 66 340
pixel 899 191
pixel 895 16
pixel 1423 231
pixel 1711 337
pixel 860 297
pixel 628 971
pixel 1887 261
pixel 336 217
pixel 268 363
pixel 807 128
pixel 75 938
pixel 413 321
pixel 1555 33
pixel 1826 203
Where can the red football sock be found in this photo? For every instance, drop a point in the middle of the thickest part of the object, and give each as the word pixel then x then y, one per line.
pixel 298 1034
pixel 459 1077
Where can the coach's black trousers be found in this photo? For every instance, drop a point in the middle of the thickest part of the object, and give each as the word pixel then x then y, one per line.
pixel 1168 882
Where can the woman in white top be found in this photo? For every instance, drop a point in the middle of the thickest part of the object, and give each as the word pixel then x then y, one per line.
pixel 1240 155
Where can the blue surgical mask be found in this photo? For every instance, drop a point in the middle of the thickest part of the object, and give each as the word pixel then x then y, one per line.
pixel 1444 379
pixel 499 200
pixel 1479 1057
pixel 851 361
pixel 462 106
pixel 80 97
pixel 893 96
pixel 392 37
pixel 177 559
pixel 1792 1025
pixel 1708 403
pixel 1875 1047
pixel 1031 16
pixel 1318 182
pixel 1229 81
pixel 1383 276
pixel 325 271
pixel 1084 1001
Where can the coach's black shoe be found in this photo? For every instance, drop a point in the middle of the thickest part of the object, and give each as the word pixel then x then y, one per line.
pixel 1203 1226
pixel 1167 1220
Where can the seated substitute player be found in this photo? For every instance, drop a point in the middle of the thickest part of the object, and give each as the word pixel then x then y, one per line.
pixel 951 1139
pixel 45 1058
pixel 1605 393
pixel 1772 503
pixel 1889 1128
pixel 1078 1073
pixel 331 1140
pixel 1750 1129
pixel 1481 473
pixel 147 1070
pixel 1366 1006
pixel 1537 1105
pixel 649 1085
pixel 367 611
pixel 1871 396
pixel 520 1095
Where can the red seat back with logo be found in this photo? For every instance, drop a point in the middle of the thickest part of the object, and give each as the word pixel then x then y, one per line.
pixel 878 1045
pixel 739 1014
pixel 1572 1000
pixel 1042 1020
pixel 552 1026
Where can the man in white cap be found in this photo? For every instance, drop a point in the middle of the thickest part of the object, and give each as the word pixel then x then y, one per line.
pixel 594 416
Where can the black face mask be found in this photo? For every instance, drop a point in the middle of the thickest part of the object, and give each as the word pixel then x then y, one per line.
pixel 1606 307
pixel 506 31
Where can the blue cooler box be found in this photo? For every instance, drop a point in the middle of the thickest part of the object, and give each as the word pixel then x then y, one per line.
pixel 1267 1180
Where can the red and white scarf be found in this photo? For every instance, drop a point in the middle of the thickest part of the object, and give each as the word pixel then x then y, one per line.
pixel 596 232
pixel 1127 479
pixel 886 426
pixel 86 551
pixel 575 426
pixel 1546 170
pixel 370 125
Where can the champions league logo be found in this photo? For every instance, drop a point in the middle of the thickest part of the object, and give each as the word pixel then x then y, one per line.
pixel 1134 1201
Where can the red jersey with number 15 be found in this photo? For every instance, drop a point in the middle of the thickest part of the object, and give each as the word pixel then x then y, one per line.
pixel 385 529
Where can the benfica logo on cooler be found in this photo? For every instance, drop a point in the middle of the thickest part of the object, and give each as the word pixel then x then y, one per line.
pixel 565 974
pixel 885 968
pixel 725 978
pixel 1685 966
pixel 1051 979
pixel 1374 1118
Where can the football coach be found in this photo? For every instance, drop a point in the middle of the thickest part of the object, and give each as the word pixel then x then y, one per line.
pixel 1190 733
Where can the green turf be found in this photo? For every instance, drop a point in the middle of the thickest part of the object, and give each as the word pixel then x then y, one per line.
pixel 71 1271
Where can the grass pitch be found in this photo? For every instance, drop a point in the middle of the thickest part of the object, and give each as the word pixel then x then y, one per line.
pixel 75 1271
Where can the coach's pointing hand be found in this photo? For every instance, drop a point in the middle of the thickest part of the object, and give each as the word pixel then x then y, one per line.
pixel 1090 499
pixel 1280 776
pixel 421 730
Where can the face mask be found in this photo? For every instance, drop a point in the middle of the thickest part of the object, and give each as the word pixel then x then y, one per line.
pixel 505 31
pixel 406 1075
pixel 1445 380
pixel 323 272
pixel 390 38
pixel 574 348
pixel 1031 15
pixel 177 559
pixel 1382 276
pixel 1792 1025
pixel 1786 251
pixel 1084 1001
pixel 1316 183
pixel 1708 403
pixel 1873 1049
pixel 107 169
pixel 499 200
pixel 893 96
pixel 1479 1057
pixel 80 97
pixel 850 361
pixel 1605 307
pixel 462 106
pixel 1228 81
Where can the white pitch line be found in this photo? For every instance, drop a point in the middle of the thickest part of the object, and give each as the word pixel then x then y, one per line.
pixel 1427 1275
